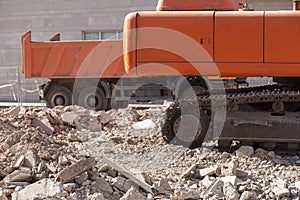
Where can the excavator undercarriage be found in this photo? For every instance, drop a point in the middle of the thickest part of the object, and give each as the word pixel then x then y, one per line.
pixel 266 116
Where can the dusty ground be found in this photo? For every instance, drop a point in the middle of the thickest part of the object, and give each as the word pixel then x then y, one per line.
pixel 53 151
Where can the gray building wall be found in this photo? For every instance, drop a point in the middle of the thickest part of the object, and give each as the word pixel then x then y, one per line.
pixel 70 18
pixel 45 18
pixel 270 4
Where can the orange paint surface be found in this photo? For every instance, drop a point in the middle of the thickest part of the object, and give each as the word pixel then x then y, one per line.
pixel 173 43
pixel 239 36
pixel 76 59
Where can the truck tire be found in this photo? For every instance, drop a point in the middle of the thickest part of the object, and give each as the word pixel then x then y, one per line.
pixel 58 96
pixel 93 98
pixel 191 133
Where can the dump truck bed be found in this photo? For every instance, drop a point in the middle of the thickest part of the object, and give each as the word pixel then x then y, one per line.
pixel 72 59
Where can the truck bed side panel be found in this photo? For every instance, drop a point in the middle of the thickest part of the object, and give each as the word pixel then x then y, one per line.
pixel 76 59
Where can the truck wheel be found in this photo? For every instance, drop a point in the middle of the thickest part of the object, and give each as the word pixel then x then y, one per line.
pixel 58 96
pixel 93 98
pixel 187 130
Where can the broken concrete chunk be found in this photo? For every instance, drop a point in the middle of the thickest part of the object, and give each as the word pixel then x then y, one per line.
pixel 104 118
pixel 248 195
pixel 69 117
pixel 83 177
pixel 146 124
pixel 51 168
pixel 44 125
pixel 229 169
pixel 164 183
pixel 103 186
pixel 14 111
pixel 230 179
pixel 102 167
pixel 230 191
pixel 62 160
pixel 11 140
pixel 119 182
pixel 69 187
pixel 133 193
pixel 69 173
pixel 18 175
pixel 2 195
pixel 163 186
pixel 215 190
pixel 185 194
pixel 206 182
pixel 129 175
pixel 297 185
pixel 129 184
pixel 31 159
pixel 19 162
pixel 188 172
pixel 281 192
pixel 112 173
pixel 96 196
pixel 207 171
pixel 45 188
pixel 245 151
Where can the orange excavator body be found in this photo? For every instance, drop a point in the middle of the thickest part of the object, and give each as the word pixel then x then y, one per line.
pixel 225 43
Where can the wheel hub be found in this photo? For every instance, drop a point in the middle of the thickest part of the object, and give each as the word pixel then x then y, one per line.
pixel 59 100
pixel 187 127
pixel 92 101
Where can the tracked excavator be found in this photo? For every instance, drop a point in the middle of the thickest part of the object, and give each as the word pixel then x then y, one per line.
pixel 192 48
pixel 237 42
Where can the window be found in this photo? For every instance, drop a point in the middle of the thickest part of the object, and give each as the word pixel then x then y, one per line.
pixel 103 35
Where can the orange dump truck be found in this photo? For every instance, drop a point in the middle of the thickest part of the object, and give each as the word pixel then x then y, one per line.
pixel 83 72
pixel 171 53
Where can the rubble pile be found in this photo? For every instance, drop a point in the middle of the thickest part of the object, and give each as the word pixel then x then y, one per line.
pixel 73 153
pixel 244 174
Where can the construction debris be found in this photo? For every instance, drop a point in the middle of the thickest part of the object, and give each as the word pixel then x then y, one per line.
pixel 245 151
pixel 45 188
pixel 146 124
pixel 69 173
pixel 72 153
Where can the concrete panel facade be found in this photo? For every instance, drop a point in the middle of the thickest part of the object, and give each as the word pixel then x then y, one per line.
pixel 270 4
pixel 70 18
pixel 47 17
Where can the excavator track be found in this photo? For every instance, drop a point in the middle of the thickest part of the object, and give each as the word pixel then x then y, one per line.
pixel 266 116
pixel 237 97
